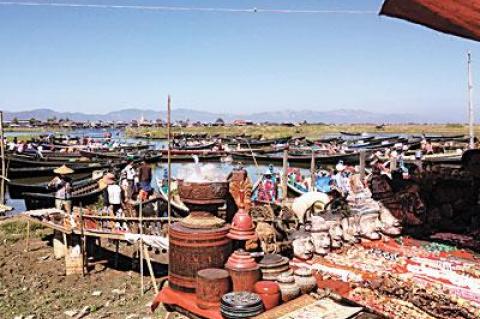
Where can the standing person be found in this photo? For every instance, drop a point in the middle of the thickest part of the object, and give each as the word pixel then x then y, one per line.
pixel 129 173
pixel 62 185
pixel 145 177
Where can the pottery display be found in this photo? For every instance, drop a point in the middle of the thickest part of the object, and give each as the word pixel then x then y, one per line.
pixel 289 290
pixel 305 280
pixel 269 292
pixel 212 284
pixel 243 270
pixel 192 250
pixel 273 265
pixel 241 304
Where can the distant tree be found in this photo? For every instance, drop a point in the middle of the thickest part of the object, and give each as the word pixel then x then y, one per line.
pixel 220 121
pixel 15 120
pixel 32 121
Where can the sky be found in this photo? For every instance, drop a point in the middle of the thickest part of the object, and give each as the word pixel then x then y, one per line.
pixel 98 60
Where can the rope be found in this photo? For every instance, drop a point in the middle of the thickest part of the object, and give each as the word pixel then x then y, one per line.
pixel 183 9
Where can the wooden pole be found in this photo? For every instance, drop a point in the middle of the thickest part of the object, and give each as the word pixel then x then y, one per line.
pixel 470 102
pixel 169 160
pixel 393 164
pixel 362 164
pixel 284 176
pixel 150 270
pixel 82 243
pixel 141 249
pixel 312 171
pixel 2 154
pixel 27 244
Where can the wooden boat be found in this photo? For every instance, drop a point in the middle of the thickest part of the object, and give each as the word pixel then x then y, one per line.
pixel 18 161
pixel 189 158
pixel 178 207
pixel 37 184
pixel 350 133
pixel 304 160
pixel 84 193
pixel 200 146
pixel 48 170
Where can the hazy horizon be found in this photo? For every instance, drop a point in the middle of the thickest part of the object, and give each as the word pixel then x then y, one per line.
pixel 96 61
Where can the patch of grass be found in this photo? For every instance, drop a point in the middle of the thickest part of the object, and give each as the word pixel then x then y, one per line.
pixel 16 229
pixel 308 130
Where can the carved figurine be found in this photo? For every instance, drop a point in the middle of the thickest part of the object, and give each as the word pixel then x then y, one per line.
pixel 302 243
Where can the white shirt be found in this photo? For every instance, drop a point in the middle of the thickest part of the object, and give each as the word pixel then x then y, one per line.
pixel 114 194
pixel 130 172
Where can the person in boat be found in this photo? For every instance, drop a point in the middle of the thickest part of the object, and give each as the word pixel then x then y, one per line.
pixel 267 189
pixel 145 177
pixel 62 185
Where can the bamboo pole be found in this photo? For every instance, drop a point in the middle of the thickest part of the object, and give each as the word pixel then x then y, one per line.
pixel 150 269
pixel 169 159
pixel 27 244
pixel 284 176
pixel 82 234
pixel 141 249
pixel 470 102
pixel 2 154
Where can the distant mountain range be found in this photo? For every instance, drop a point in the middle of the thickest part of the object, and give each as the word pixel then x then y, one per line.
pixel 332 117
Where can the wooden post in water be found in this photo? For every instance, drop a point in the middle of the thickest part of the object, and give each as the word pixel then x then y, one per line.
pixel 169 159
pixel 362 164
pixel 470 102
pixel 2 154
pixel 284 176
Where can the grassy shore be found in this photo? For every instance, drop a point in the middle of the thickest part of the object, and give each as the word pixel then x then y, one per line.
pixel 311 131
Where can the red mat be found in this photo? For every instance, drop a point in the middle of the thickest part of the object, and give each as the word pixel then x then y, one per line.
pixel 183 300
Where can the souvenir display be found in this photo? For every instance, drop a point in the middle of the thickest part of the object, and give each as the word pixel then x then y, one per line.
pixel 269 292
pixel 274 265
pixel 239 305
pixel 288 287
pixel 243 270
pixel 305 280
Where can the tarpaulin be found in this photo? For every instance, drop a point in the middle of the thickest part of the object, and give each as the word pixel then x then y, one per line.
pixel 457 17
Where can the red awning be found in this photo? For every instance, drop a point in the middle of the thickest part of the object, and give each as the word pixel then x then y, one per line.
pixel 457 17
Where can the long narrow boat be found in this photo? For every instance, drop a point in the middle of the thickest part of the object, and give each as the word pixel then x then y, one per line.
pixel 195 147
pixel 84 193
pixel 48 170
pixel 305 160
pixel 16 161
pixel 38 184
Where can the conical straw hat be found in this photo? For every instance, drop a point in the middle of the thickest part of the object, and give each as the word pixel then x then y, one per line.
pixel 63 170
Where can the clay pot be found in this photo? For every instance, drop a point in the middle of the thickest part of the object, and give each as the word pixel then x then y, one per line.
pixel 203 193
pixel 242 227
pixel 243 270
pixel 269 291
pixel 288 288
pixel 273 265
pixel 212 284
pixel 305 280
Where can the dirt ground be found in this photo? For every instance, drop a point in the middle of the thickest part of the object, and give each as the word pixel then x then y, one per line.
pixel 33 284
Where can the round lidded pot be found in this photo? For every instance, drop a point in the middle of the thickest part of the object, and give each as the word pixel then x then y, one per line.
pixel 243 270
pixel 269 291
pixel 305 280
pixel 288 288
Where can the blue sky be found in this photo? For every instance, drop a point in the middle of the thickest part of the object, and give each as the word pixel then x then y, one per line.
pixel 100 60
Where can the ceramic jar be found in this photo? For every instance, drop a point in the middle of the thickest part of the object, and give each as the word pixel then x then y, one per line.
pixel 212 284
pixel 243 270
pixel 273 265
pixel 305 280
pixel 288 288
pixel 242 227
pixel 269 292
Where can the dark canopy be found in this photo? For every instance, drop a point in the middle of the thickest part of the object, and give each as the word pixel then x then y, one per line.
pixel 457 17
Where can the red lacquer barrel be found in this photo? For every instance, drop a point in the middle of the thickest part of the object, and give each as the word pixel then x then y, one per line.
pixel 212 284
pixel 192 250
